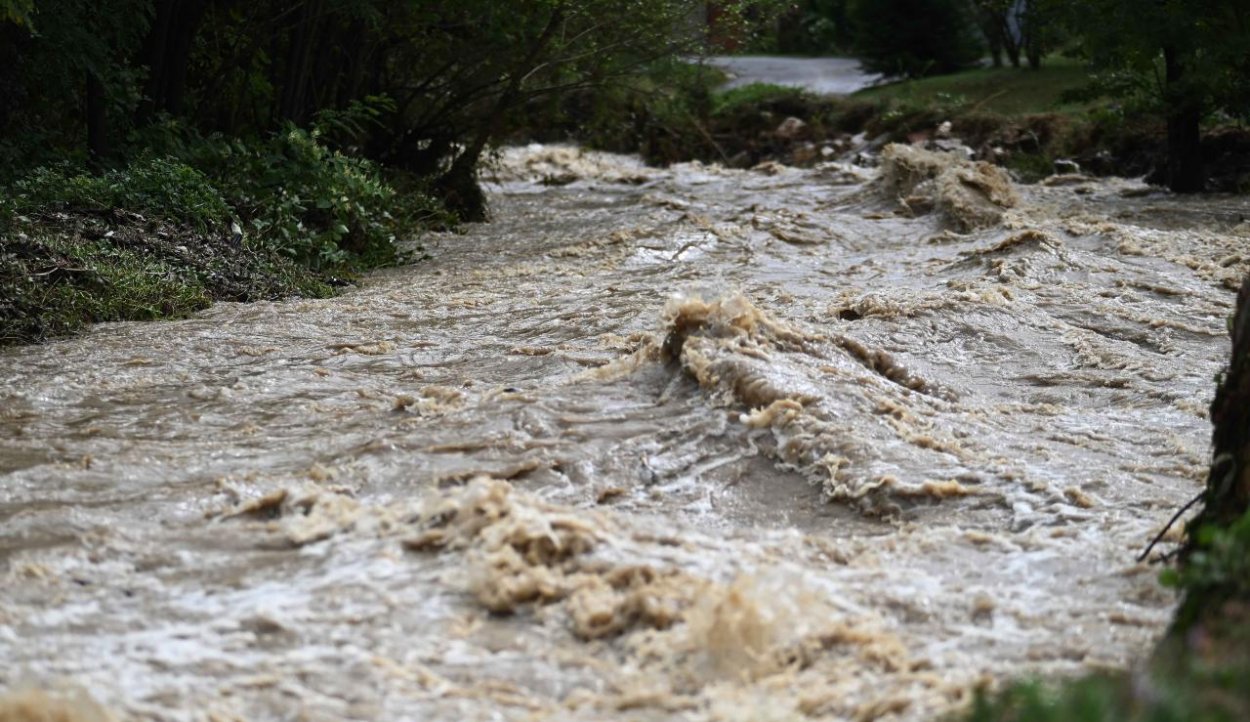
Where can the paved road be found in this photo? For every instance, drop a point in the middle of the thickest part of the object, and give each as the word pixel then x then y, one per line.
pixel 838 76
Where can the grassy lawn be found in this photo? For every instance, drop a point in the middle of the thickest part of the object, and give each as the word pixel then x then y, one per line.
pixel 1009 91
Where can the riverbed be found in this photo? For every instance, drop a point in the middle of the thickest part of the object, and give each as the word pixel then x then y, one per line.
pixel 654 444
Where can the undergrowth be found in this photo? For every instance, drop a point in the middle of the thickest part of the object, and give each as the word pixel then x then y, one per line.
pixel 195 219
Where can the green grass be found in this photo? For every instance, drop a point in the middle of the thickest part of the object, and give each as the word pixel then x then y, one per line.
pixel 757 94
pixel 1203 677
pixel 60 273
pixel 1008 91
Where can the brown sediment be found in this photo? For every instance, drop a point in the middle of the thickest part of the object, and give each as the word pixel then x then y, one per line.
pixel 969 195
pixel 523 553
pixel 36 705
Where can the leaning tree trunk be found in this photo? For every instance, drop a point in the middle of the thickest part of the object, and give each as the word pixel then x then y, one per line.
pixel 1226 498
pixel 1228 485
pixel 461 193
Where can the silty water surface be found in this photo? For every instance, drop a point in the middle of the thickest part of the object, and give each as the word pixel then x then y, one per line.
pixel 686 443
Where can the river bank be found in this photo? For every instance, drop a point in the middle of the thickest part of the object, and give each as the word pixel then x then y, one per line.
pixel 62 272
pixel 217 220
pixel 1034 123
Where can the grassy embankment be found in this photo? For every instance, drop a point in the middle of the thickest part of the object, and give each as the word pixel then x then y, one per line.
pixel 1019 118
pixel 208 219
pixel 1007 91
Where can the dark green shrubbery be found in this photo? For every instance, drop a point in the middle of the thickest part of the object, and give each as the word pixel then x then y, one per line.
pixel 914 38
pixel 161 186
pixel 290 193
pixel 1217 568
pixel 157 237
pixel 317 205
pixel 777 98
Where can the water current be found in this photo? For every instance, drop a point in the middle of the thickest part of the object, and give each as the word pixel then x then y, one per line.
pixel 655 444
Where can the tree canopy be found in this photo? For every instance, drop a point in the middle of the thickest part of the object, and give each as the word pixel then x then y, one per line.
pixel 1187 55
pixel 420 85
pixel 914 38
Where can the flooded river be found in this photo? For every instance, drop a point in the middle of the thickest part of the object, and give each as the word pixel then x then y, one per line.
pixel 656 444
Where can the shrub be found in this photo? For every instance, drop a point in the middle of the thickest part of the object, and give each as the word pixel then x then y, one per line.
pixel 298 197
pixel 317 205
pixel 779 99
pixel 1218 568
pixel 291 193
pixel 914 38
pixel 157 186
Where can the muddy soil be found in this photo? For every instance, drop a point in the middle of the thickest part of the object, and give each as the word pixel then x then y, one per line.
pixel 656 444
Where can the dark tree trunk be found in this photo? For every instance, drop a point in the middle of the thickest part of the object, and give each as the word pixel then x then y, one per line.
pixel 415 152
pixel 167 54
pixel 97 123
pixel 1013 53
pixel 1228 486
pixel 13 40
pixel 462 194
pixel 296 87
pixel 460 191
pixel 1184 121
pixel 992 24
pixel 1226 498
pixel 1032 34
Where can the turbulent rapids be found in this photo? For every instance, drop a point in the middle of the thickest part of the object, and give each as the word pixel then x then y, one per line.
pixel 655 444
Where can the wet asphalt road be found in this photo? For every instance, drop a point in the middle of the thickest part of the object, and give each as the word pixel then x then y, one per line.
pixel 837 76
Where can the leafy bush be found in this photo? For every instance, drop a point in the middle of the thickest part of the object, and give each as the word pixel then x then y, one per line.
pixel 814 27
pixel 317 205
pixel 914 38
pixel 1218 568
pixel 1092 699
pixel 158 186
pixel 291 194
pixel 300 198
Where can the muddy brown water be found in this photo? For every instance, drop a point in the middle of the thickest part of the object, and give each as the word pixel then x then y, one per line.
pixel 686 443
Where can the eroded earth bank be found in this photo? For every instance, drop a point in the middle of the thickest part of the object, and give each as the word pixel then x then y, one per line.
pixel 655 444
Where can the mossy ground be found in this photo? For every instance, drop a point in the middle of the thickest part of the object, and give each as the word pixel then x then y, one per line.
pixel 1200 674
pixel 61 271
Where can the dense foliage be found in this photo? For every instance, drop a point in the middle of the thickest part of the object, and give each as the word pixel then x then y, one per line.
pixel 276 134
pixel 914 38
pixel 1187 56
pixel 812 27
pixel 1021 28
pixel 1181 60
pixel 419 86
